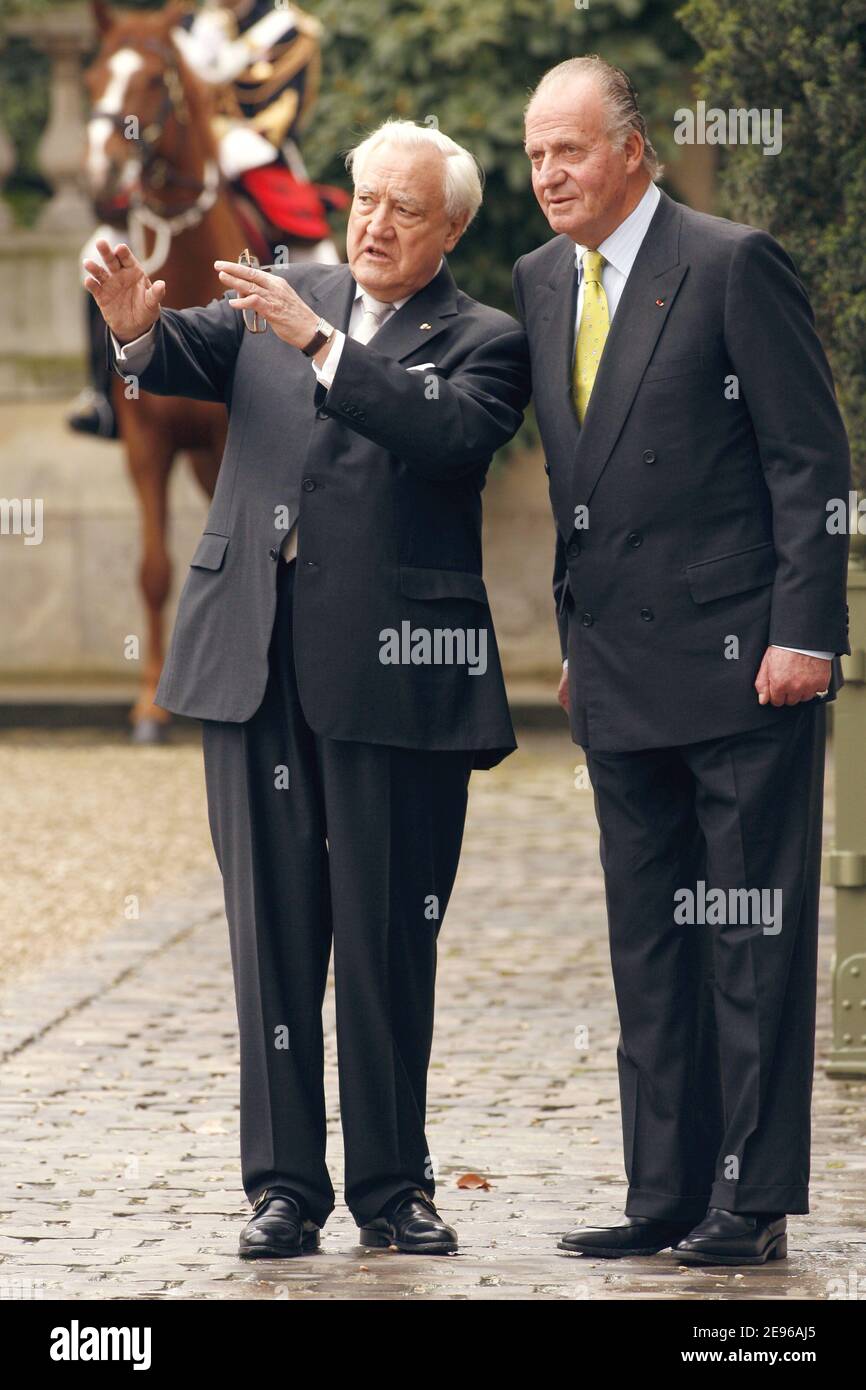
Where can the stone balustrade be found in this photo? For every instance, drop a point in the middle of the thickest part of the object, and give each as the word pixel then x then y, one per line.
pixel 42 336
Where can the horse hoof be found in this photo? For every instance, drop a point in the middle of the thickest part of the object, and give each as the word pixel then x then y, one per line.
pixel 149 731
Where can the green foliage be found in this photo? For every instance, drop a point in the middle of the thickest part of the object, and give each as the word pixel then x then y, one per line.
pixel 807 58
pixel 470 64
pixel 23 113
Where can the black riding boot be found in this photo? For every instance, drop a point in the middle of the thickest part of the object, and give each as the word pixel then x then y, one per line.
pixel 92 411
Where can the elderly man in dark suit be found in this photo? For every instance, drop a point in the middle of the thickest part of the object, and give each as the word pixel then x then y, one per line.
pixel 693 442
pixel 334 637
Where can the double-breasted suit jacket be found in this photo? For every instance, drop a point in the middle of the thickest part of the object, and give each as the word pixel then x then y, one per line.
pixel 691 507
pixel 384 472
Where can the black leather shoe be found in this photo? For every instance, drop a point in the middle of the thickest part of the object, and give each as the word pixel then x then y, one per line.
pixel 735 1238
pixel 638 1235
pixel 93 413
pixel 277 1230
pixel 411 1223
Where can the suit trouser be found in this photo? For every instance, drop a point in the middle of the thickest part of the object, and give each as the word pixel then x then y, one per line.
pixel 717 1017
pixel 362 845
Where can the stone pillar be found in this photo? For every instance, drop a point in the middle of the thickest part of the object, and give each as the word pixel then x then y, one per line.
pixel 66 35
pixel 42 328
pixel 7 164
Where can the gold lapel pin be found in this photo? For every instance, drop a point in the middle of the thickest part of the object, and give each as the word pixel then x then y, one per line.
pixel 424 325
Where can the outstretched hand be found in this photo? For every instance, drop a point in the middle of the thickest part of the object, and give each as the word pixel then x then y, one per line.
pixel 127 298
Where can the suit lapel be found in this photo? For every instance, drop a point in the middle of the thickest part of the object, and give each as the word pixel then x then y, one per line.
pixel 641 314
pixel 334 296
pixel 552 359
pixel 420 319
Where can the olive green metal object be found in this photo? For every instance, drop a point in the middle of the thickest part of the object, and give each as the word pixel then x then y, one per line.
pixel 845 863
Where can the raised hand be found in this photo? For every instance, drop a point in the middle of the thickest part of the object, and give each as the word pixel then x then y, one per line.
pixel 128 300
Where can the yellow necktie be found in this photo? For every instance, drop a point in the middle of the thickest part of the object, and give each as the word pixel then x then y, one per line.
pixel 592 331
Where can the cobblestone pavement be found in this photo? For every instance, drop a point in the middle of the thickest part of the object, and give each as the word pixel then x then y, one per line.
pixel 120 1172
pixel 90 826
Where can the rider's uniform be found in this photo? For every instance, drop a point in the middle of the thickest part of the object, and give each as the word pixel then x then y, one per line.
pixel 265 69
pixel 265 65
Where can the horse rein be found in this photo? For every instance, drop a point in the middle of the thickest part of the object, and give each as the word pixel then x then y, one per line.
pixel 153 166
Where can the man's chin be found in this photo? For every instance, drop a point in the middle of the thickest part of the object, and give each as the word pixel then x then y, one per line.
pixel 373 268
pixel 562 217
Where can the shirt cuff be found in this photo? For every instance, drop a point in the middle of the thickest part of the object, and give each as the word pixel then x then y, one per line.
pixel 328 369
pixel 822 656
pixel 136 353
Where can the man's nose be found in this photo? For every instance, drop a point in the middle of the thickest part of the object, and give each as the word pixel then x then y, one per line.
pixel 380 222
pixel 549 173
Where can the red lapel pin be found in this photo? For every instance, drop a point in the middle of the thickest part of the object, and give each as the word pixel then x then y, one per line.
pixel 660 303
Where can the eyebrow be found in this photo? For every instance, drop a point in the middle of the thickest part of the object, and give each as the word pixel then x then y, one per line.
pixel 399 197
pixel 555 145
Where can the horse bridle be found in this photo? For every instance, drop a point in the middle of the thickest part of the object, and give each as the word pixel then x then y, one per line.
pixel 154 168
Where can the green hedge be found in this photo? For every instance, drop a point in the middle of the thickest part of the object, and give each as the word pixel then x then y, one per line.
pixel 470 65
pixel 467 63
pixel 805 57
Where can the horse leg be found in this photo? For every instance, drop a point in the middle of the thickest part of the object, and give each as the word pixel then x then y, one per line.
pixel 205 466
pixel 150 458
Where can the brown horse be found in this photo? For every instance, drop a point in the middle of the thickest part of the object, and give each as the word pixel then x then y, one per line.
pixel 140 86
pixel 151 147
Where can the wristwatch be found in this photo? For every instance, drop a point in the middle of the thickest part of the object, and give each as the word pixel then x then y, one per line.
pixel 323 334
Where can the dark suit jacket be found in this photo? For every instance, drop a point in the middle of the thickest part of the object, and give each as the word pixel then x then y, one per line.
pixel 385 470
pixel 711 446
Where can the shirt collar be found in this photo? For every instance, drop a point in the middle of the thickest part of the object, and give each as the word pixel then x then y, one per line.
pixel 398 303
pixel 621 247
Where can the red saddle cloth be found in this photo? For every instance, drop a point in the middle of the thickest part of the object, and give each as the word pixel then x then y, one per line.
pixel 293 207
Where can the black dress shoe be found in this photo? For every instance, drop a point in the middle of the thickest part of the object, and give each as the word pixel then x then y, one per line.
pixel 277 1229
pixel 93 413
pixel 638 1235
pixel 735 1238
pixel 411 1223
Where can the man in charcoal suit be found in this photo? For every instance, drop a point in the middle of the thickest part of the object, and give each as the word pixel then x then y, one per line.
pixel 334 637
pixel 692 444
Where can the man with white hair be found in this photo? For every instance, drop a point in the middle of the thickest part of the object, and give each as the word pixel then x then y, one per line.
pixel 334 637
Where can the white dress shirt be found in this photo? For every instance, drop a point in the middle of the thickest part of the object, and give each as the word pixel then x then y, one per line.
pixel 620 252
pixel 326 373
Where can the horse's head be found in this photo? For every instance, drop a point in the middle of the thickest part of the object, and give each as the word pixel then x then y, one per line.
pixel 139 95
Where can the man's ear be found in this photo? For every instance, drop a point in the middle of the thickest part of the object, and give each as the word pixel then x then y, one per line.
pixel 102 15
pixel 456 229
pixel 634 150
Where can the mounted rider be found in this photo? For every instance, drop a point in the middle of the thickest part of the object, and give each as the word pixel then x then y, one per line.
pixel 263 62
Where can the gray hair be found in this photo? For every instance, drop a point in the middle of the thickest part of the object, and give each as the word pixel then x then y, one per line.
pixel 619 96
pixel 462 176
